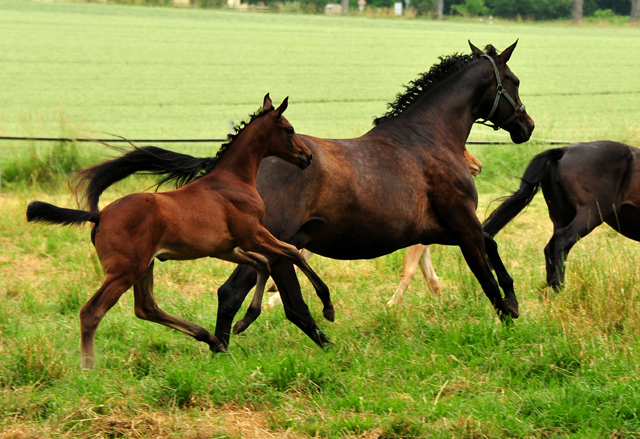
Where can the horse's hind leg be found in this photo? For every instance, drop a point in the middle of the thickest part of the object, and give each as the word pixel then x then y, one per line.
pixel 504 279
pixel 411 260
pixel 429 272
pixel 564 239
pixel 146 308
pixel 230 297
pixel 94 310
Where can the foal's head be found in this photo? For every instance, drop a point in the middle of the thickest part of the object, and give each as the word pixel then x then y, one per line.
pixel 501 103
pixel 282 140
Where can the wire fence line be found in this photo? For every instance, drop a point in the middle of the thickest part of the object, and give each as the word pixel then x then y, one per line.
pixel 212 140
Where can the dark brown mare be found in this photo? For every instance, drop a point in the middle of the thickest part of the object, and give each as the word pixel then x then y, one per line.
pixel 404 182
pixel 584 185
pixel 218 215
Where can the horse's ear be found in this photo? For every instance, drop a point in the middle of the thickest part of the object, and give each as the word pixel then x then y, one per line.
pixel 474 49
pixel 506 54
pixel 267 105
pixel 283 106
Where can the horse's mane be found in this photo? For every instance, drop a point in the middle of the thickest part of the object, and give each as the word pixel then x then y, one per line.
pixel 448 66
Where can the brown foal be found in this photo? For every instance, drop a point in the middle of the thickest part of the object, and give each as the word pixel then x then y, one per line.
pixel 218 215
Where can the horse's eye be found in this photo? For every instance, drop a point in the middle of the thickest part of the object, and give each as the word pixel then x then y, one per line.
pixel 289 130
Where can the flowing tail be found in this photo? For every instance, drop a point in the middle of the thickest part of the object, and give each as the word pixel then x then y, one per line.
pixel 529 186
pixel 181 168
pixel 48 213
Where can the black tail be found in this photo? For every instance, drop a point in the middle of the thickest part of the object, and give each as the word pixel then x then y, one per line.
pixel 529 186
pixel 48 213
pixel 181 168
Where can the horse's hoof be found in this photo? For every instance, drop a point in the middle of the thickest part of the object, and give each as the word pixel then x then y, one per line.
pixel 238 327
pixel 511 307
pixel 329 314
pixel 216 345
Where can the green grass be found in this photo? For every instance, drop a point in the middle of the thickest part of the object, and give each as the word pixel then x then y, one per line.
pixel 436 367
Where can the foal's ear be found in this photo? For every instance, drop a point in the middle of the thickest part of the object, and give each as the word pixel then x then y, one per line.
pixel 267 105
pixel 506 53
pixel 474 49
pixel 283 106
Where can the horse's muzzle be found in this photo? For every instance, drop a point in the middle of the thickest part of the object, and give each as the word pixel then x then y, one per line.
pixel 304 160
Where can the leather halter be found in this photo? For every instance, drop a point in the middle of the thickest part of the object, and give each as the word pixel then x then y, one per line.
pixel 501 92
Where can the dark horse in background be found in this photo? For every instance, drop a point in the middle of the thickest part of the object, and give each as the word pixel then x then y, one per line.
pixel 402 183
pixel 583 185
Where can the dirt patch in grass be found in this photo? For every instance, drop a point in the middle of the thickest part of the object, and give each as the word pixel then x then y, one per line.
pixel 224 422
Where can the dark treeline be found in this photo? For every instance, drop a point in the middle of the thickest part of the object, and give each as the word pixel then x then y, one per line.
pixel 511 9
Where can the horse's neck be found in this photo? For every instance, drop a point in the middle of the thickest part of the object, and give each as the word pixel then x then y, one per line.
pixel 446 113
pixel 241 161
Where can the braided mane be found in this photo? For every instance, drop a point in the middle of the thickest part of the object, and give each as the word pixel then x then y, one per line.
pixel 448 66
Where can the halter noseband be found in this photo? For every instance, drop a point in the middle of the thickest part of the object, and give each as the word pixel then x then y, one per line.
pixel 501 92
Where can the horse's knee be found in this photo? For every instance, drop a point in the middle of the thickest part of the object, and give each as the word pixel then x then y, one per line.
pixel 144 311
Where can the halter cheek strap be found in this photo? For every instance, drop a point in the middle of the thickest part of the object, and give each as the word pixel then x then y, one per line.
pixel 501 92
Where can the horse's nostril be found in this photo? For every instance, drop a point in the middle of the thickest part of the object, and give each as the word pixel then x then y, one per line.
pixel 310 158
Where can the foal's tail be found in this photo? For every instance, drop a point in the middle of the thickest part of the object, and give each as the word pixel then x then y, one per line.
pixel 181 168
pixel 529 186
pixel 48 213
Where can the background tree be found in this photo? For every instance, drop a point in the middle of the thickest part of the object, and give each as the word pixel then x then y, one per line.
pixel 635 10
pixel 577 11
pixel 440 8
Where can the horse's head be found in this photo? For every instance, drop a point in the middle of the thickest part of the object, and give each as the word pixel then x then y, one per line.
pixel 473 164
pixel 501 103
pixel 283 141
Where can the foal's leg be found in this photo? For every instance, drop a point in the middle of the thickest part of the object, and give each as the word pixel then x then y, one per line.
pixel 266 244
pixel 146 308
pixel 411 260
pixel 94 310
pixel 504 279
pixel 429 272
pixel 261 265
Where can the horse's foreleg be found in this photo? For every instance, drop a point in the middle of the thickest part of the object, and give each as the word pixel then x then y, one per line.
pixel 230 297
pixel 265 243
pixel 146 308
pixel 473 250
pixel 411 260
pixel 275 300
pixel 504 279
pixel 429 272
pixel 94 310
pixel 295 308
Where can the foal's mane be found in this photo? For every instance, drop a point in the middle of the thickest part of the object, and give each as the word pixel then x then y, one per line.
pixel 448 66
pixel 231 137
pixel 91 182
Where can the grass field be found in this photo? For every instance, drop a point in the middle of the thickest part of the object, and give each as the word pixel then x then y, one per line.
pixel 435 367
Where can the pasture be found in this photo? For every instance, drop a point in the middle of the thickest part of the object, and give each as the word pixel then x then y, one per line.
pixel 433 367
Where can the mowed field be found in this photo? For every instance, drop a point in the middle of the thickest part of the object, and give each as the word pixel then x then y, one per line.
pixel 433 367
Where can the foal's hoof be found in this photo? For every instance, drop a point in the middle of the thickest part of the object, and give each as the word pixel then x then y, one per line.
pixel 329 314
pixel 239 327
pixel 511 307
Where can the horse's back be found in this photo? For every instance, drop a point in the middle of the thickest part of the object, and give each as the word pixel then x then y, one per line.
pixel 595 173
pixel 357 199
